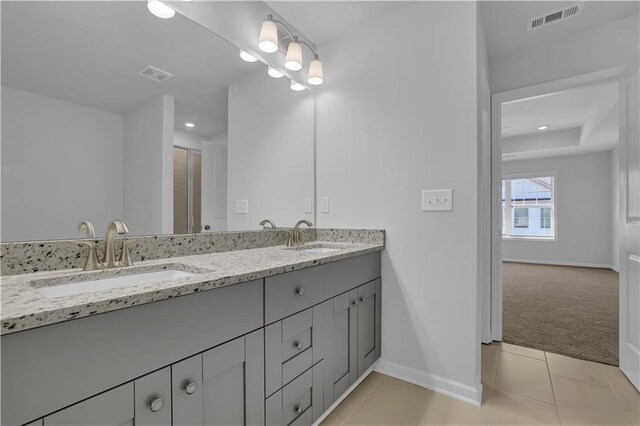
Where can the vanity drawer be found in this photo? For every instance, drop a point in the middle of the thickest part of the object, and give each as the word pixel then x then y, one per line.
pixel 288 349
pixel 300 402
pixel 292 292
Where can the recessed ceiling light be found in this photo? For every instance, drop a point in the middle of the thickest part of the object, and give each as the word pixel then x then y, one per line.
pixel 190 124
pixel 247 57
pixel 543 127
pixel 274 73
pixel 159 9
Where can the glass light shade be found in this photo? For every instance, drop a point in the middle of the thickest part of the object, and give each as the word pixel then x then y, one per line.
pixel 274 73
pixel 268 41
pixel 296 87
pixel 160 9
pixel 247 57
pixel 293 60
pixel 316 75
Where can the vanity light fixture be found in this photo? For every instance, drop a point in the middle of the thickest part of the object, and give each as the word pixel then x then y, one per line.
pixel 269 42
pixel 160 9
pixel 293 60
pixel 296 87
pixel 274 73
pixel 543 127
pixel 190 125
pixel 247 57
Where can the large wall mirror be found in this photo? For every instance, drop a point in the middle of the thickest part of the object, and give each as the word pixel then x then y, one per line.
pixel 110 112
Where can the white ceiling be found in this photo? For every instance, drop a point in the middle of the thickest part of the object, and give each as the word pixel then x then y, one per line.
pixel 579 121
pixel 505 22
pixel 89 53
pixel 321 21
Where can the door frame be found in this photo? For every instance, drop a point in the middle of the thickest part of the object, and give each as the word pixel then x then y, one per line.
pixel 608 75
pixel 190 153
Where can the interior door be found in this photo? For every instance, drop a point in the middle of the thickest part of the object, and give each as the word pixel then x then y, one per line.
pixel 629 224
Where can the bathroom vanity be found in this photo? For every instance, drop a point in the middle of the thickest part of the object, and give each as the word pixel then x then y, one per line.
pixel 260 336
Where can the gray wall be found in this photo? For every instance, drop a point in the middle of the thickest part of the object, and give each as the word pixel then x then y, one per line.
pixel 51 179
pixel 399 115
pixel 271 151
pixel 583 210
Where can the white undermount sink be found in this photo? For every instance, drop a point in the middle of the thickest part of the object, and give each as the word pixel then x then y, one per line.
pixel 75 285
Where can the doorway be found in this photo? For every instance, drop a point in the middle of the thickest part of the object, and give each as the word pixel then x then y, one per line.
pixel 534 200
pixel 187 190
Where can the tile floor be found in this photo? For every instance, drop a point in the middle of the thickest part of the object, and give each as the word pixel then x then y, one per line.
pixel 521 387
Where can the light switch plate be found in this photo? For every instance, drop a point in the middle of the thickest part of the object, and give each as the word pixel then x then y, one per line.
pixel 242 206
pixel 307 205
pixel 324 205
pixel 437 200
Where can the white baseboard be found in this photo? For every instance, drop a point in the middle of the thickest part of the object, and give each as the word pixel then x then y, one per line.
pixel 344 395
pixel 469 394
pixel 547 262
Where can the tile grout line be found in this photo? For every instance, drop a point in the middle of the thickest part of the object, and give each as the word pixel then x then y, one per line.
pixel 553 391
pixel 364 398
pixel 624 408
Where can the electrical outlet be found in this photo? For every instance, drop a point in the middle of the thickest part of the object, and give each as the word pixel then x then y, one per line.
pixel 242 206
pixel 324 205
pixel 437 200
pixel 307 205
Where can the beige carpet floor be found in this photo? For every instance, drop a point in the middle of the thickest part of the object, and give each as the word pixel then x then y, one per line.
pixel 562 309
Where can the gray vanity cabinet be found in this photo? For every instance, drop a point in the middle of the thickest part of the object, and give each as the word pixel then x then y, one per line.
pixel 222 386
pixel 368 313
pixel 145 401
pixel 356 325
pixel 344 344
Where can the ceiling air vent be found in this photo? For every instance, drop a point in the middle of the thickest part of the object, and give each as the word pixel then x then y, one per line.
pixel 155 74
pixel 557 15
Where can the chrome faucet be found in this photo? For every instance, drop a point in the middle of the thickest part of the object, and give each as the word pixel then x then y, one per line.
pixel 266 222
pixel 117 226
pixel 295 238
pixel 92 262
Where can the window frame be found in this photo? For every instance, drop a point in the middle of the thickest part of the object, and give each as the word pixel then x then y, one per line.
pixel 554 209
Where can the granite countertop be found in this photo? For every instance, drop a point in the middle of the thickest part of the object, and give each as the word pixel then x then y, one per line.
pixel 24 307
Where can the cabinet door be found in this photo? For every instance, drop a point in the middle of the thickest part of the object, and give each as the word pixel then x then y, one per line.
pixel 187 394
pixel 112 408
pixel 368 324
pixel 344 356
pixel 233 382
pixel 153 399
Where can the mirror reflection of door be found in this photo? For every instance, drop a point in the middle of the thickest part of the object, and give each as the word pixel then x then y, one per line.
pixel 187 191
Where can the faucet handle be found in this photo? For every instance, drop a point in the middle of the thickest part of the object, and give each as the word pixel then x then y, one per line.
pixel 125 255
pixel 92 263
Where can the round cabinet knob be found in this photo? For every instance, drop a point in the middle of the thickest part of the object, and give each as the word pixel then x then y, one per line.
pixel 353 302
pixel 299 291
pixel 299 345
pixel 156 405
pixel 361 298
pixel 299 408
pixel 190 388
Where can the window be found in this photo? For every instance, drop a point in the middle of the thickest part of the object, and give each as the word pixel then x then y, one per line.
pixel 545 218
pixel 521 217
pixel 528 207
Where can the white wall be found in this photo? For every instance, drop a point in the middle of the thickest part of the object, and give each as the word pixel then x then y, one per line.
pixel 61 164
pixel 583 211
pixel 398 115
pixel 214 172
pixel 271 144
pixel 148 167
pixel 615 206
pixel 588 51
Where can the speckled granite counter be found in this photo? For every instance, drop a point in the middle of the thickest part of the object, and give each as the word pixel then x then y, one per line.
pixel 24 307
